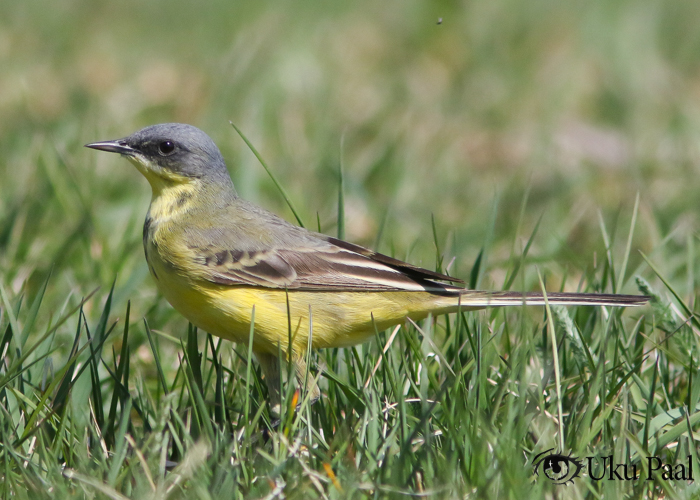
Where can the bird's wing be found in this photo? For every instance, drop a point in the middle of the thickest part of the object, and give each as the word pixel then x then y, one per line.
pixel 330 265
pixel 247 245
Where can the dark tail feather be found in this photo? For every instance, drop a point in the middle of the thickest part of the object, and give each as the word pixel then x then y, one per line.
pixel 476 298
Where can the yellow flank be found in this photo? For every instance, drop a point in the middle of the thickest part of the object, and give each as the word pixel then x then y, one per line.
pixel 338 318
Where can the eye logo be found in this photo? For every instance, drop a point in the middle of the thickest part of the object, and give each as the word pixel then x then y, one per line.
pixel 560 469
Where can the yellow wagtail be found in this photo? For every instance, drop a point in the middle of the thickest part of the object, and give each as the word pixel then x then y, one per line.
pixel 215 256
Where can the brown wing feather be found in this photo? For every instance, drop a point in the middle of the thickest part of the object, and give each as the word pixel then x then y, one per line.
pixel 409 269
pixel 321 268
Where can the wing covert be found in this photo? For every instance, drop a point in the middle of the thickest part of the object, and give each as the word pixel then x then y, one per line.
pixel 326 267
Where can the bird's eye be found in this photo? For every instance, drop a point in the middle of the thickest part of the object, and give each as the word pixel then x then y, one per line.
pixel 166 148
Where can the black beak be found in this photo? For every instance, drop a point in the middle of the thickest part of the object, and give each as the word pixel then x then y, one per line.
pixel 119 146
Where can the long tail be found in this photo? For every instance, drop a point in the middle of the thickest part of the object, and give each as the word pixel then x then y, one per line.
pixel 476 298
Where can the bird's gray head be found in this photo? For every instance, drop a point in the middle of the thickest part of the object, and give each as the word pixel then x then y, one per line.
pixel 170 152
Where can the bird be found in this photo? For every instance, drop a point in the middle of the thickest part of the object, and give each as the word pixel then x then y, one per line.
pixel 224 263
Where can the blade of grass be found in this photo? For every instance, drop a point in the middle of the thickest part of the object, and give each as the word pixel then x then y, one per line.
pixel 555 360
pixel 118 378
pixel 341 195
pixel 608 249
pixel 101 328
pixel 483 255
pixel 628 249
pixel 519 263
pixel 249 366
pixel 121 448
pixel 438 252
pixel 649 412
pixel 30 319
pixel 156 357
pixel 200 405
pixel 16 330
pixel 269 172
pixel 194 357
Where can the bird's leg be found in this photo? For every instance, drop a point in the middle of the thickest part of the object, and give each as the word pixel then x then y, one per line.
pixel 270 365
pixel 306 379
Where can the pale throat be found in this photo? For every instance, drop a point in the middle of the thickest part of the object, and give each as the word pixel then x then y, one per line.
pixel 168 201
pixel 172 193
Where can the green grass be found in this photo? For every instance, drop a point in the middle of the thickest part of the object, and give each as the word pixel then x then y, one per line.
pixel 512 141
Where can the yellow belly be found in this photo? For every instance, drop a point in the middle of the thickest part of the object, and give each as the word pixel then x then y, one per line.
pixel 338 319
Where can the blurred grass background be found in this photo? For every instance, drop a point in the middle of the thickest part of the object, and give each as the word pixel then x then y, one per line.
pixel 570 107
